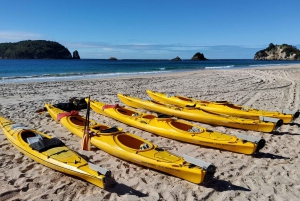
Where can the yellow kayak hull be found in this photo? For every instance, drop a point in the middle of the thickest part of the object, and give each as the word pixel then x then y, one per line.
pixel 201 115
pixel 177 129
pixel 59 158
pixel 222 107
pixel 127 147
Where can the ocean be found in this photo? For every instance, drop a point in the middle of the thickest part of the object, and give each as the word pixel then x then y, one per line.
pixel 23 71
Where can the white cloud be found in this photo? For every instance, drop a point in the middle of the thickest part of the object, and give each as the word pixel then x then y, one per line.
pixel 107 49
pixel 165 51
pixel 11 36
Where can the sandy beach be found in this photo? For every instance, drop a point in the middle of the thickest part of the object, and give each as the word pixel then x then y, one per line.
pixel 272 175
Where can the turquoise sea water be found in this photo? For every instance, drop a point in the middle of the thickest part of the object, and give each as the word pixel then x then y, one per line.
pixel 16 71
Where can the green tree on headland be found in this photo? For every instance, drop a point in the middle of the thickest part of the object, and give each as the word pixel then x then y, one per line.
pixel 278 52
pixel 34 49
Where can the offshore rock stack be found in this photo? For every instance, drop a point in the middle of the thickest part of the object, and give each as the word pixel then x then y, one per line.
pixel 76 55
pixel 198 56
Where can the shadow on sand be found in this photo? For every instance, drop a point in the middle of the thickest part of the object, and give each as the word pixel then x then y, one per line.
pixel 268 155
pixel 122 189
pixel 221 185
pixel 283 133
pixel 294 124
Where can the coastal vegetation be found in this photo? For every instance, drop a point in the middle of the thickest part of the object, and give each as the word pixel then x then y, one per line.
pixel 278 52
pixel 34 49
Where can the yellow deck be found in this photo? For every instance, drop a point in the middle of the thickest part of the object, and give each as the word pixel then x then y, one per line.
pixel 200 115
pixel 59 158
pixel 221 107
pixel 176 129
pixel 127 146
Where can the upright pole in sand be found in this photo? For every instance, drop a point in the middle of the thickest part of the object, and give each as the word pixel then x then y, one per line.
pixel 86 139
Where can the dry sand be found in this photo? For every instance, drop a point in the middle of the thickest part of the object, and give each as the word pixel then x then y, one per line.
pixel 273 175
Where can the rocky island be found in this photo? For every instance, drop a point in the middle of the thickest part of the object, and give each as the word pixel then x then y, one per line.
pixel 176 59
pixel 76 55
pixel 278 52
pixel 35 49
pixel 198 56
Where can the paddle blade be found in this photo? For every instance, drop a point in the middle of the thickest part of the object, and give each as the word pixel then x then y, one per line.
pixel 86 141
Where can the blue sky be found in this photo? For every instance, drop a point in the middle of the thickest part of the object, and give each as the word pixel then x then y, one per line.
pixel 156 29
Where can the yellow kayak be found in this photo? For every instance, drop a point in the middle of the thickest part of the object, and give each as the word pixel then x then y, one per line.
pixel 179 130
pixel 263 125
pixel 135 149
pixel 52 153
pixel 223 107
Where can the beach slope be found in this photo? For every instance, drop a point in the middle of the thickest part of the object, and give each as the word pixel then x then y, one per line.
pixel 271 175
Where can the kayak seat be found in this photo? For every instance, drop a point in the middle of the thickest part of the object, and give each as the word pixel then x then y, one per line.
pixel 32 140
pixel 130 141
pixel 46 144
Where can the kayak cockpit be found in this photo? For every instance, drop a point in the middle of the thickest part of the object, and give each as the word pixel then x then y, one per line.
pixel 26 135
pixel 157 103
pixel 149 116
pixel 237 107
pixel 132 113
pixel 127 112
pixel 184 98
pixel 185 127
pixel 127 141
pixel 39 142
pixel 78 120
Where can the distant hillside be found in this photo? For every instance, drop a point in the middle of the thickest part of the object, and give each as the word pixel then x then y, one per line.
pixel 34 49
pixel 278 52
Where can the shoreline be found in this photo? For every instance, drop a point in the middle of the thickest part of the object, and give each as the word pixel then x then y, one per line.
pixel 36 79
pixel 273 174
